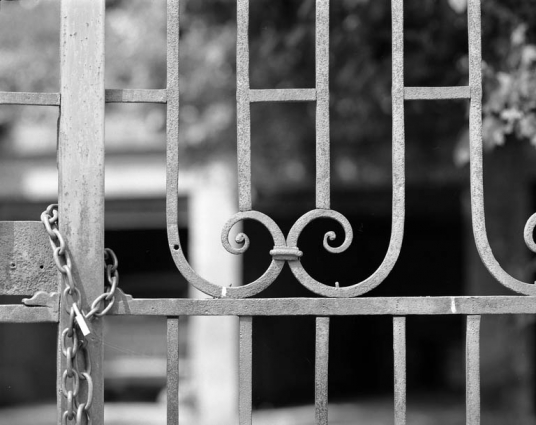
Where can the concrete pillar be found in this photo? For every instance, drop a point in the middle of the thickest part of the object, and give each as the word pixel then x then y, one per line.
pixel 213 341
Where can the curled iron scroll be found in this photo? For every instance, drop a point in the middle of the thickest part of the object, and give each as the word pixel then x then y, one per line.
pixel 244 291
pixel 286 250
pixel 347 291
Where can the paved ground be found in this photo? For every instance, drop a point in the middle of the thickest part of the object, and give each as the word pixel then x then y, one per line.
pixel 371 412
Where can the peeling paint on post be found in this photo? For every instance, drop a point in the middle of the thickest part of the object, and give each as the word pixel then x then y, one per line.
pixel 81 167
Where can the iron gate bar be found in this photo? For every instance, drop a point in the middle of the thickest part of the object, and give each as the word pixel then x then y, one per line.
pixel 322 105
pixel 321 370
pixel 27 98
pixel 245 370
pixel 243 118
pixel 282 95
pixel 22 314
pixel 387 306
pixel 135 96
pixel 430 93
pixel 172 370
pixel 111 96
pixel 395 306
pixel 172 130
pixel 399 355
pixel 472 370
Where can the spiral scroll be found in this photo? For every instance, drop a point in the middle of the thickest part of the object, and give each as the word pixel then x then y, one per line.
pixel 329 291
pixel 249 289
pixel 303 221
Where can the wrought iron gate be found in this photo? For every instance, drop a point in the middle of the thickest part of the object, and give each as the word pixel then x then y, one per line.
pixel 81 211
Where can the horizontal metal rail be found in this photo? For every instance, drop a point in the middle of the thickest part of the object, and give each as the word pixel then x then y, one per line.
pixel 23 314
pixel 111 96
pixel 282 95
pixel 387 306
pixel 135 96
pixel 26 98
pixel 384 306
pixel 430 93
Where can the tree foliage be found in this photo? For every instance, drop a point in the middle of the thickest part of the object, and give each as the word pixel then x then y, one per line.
pixel 510 108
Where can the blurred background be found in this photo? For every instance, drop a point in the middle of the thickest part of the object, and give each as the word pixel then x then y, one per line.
pixel 438 255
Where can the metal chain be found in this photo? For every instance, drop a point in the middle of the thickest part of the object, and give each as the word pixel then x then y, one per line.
pixel 73 341
pixel 98 306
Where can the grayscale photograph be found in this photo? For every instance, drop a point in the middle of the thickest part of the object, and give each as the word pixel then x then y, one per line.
pixel 267 212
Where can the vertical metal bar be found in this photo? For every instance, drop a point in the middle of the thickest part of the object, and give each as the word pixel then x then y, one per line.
pixel 475 111
pixel 172 380
pixel 475 135
pixel 472 371
pixel 245 370
pixel 243 106
pixel 172 122
pixel 321 370
pixel 399 352
pixel 397 98
pixel 322 105
pixel 476 153
pixel 474 23
pixel 81 169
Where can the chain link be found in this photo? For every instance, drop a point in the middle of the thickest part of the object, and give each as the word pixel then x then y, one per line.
pixel 99 307
pixel 73 342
